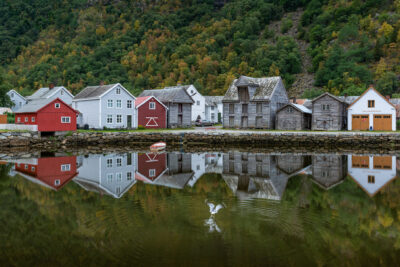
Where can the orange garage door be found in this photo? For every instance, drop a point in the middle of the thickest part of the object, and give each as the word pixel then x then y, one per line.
pixel 383 122
pixel 360 122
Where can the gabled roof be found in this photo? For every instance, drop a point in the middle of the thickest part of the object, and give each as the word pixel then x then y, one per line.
pixel 176 94
pixel 328 94
pixel 300 108
pixel 213 100
pixel 96 92
pixel 143 99
pixel 46 92
pixel 349 99
pixel 37 104
pixel 264 88
pixel 371 88
pixel 15 92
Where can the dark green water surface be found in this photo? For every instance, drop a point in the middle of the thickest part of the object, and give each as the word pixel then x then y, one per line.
pixel 143 209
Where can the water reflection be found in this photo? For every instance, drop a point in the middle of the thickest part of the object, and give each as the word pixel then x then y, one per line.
pixel 248 175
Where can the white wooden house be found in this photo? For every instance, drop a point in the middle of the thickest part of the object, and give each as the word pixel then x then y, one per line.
pixel 17 99
pixel 371 111
pixel 199 105
pixel 372 173
pixel 213 108
pixel 110 106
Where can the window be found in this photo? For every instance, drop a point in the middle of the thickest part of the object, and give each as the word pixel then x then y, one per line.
pixel 289 110
pixel 129 159
pixel 152 172
pixel 244 108
pixel 212 116
pixel 119 103
pixel 109 103
pixel 119 162
pixel 198 102
pixel 118 177
pixel 109 119
pixel 180 108
pixel 57 105
pixel 65 167
pixel 259 107
pixel 18 119
pixel 26 119
pixel 57 182
pixel 129 176
pixel 325 107
pixel 118 190
pixel 33 119
pixel 65 119
pixel 62 92
pixel 212 107
pixel 119 118
pixel 129 104
pixel 198 167
pixel 12 94
pixel 26 166
pixel 152 105
pixel 231 108
pixel 191 91
pixel 371 103
pixel 20 104
pixel 109 163
pixel 118 91
pixel 32 168
pixel 371 179
pixel 243 94
pixel 109 178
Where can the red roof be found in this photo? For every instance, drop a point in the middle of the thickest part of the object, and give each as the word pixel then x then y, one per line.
pixel 140 100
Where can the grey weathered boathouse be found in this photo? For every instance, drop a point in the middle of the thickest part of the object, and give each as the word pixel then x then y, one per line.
pixel 253 102
pixel 328 113
pixel 293 117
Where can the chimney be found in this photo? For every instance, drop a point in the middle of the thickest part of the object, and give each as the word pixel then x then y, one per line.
pixel 101 83
pixel 371 86
pixel 51 86
pixel 294 100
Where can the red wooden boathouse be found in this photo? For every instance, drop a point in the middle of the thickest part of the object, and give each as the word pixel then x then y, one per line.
pixel 151 113
pixel 50 115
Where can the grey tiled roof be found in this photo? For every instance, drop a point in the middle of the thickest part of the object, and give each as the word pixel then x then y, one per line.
pixel 44 92
pixel 93 91
pixel 349 99
pixel 265 87
pixel 34 105
pixel 176 94
pixel 213 100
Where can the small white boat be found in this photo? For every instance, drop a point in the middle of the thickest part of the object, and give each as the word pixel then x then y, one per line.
pixel 159 146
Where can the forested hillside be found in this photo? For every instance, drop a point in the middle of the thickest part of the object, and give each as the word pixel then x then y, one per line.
pixel 337 46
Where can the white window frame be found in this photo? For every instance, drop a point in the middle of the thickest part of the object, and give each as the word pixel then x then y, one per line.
pixel 26 166
pixel 198 102
pixel 152 172
pixel 26 119
pixel 129 104
pixel 109 116
pixel 65 167
pixel 129 176
pixel 120 119
pixel 33 168
pixel 118 177
pixel 65 119
pixel 19 119
pixel 33 119
pixel 57 105
pixel 110 177
pixel 109 163
pixel 152 105
pixel 118 103
pixel 118 91
pixel 110 103
pixel 57 182
pixel 118 162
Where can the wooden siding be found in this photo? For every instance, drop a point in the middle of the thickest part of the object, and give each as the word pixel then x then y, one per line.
pixel 174 114
pixel 329 170
pixel 292 163
pixel 295 120
pixel 333 118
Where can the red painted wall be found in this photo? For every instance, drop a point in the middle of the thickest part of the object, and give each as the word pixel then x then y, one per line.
pixel 147 161
pixel 159 115
pixel 48 170
pixel 48 119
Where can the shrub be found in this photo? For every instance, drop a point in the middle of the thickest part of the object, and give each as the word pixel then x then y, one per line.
pixel 286 25
pixel 141 127
pixel 398 125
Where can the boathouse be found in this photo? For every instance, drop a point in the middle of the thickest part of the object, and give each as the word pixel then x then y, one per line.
pixel 328 113
pixel 150 112
pixel 293 117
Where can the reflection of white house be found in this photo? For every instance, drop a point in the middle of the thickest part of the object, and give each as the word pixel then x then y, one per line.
pixel 113 174
pixel 372 173
pixel 17 99
pixel 198 167
pixel 371 111
pixel 198 108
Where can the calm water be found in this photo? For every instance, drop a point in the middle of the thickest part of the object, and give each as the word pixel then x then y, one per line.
pixel 215 209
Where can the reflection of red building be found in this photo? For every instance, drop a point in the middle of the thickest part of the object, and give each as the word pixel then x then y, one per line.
pixel 151 166
pixel 52 172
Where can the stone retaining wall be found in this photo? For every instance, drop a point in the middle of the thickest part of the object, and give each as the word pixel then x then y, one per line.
pixel 217 139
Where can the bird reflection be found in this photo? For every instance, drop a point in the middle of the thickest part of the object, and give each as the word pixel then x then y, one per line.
pixel 210 222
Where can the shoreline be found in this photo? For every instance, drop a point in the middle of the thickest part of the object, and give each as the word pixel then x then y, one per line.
pixel 202 139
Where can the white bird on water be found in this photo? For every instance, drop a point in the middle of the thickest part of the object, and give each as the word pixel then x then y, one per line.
pixel 214 209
